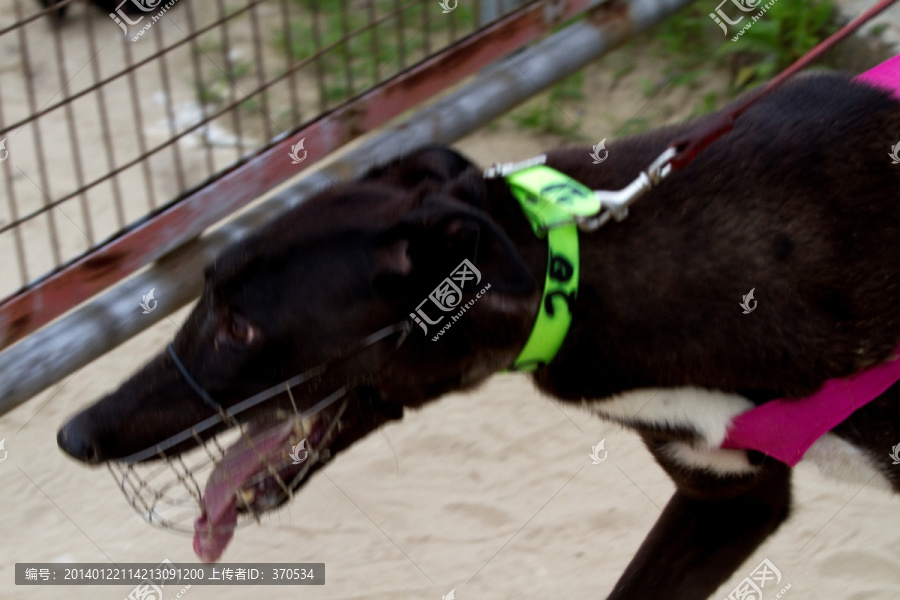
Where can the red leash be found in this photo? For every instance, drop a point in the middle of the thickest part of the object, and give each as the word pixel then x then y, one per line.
pixel 705 134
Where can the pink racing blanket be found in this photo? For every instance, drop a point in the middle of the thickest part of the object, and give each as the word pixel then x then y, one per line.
pixel 785 428
pixel 885 76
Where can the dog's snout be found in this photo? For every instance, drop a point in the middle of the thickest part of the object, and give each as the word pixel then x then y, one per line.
pixel 78 441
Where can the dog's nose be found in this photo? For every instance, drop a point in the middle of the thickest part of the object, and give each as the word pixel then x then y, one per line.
pixel 76 440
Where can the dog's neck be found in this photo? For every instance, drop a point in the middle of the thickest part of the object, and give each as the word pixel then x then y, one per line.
pixel 601 354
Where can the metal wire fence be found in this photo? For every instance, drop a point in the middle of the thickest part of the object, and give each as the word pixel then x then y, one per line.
pixel 107 118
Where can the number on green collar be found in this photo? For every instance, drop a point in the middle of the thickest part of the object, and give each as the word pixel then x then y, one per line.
pixel 551 202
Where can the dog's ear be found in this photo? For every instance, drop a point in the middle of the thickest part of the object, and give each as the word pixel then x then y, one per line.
pixel 434 239
pixel 431 164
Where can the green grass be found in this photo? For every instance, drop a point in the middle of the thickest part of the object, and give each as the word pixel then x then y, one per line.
pixel 787 31
pixel 784 33
pixel 691 47
pixel 368 54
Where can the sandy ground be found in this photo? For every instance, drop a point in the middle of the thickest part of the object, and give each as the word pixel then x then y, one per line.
pixel 492 494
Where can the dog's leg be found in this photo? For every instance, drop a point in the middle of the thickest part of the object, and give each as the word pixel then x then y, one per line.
pixel 706 533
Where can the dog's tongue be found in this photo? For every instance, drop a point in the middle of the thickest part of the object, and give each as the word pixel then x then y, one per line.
pixel 242 460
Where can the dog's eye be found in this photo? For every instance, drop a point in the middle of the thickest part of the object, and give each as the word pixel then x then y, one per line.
pixel 240 330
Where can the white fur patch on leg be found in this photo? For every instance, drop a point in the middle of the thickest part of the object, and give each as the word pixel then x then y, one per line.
pixel 708 413
pixel 839 459
pixel 712 460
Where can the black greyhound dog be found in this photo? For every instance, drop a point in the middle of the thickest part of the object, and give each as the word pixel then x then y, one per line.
pixel 799 201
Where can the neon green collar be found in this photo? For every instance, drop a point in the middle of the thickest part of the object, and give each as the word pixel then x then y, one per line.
pixel 551 201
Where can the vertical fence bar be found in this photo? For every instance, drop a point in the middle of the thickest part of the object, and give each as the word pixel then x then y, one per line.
pixel 195 51
pixel 63 76
pixel 103 112
pixel 44 190
pixel 401 34
pixel 375 47
pixel 11 201
pixel 163 63
pixel 288 57
pixel 138 116
pixel 237 122
pixel 345 47
pixel 317 45
pixel 260 72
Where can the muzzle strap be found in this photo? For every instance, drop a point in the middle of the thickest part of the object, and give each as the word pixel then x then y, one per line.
pixel 193 382
pixel 401 327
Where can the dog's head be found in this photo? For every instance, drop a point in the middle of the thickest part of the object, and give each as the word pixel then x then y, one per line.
pixel 408 243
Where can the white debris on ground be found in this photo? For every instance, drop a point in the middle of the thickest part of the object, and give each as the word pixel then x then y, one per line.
pixel 186 115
